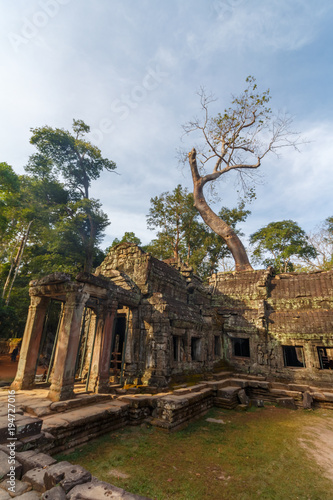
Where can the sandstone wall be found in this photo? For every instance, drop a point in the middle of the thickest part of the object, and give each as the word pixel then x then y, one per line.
pixel 260 323
pixel 174 327
pixel 277 315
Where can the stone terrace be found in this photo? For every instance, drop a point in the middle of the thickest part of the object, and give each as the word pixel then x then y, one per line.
pixel 44 428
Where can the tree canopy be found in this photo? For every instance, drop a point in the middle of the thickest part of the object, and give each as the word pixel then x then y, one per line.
pixel 181 233
pixel 48 222
pixel 72 157
pixel 75 158
pixel 279 243
pixel 128 237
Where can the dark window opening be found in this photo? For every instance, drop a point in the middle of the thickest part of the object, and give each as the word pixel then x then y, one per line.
pixel 175 348
pixel 195 349
pixel 325 355
pixel 293 356
pixel 217 345
pixel 118 344
pixel 241 347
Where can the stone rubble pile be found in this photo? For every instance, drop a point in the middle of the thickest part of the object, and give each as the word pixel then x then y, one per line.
pixel 39 477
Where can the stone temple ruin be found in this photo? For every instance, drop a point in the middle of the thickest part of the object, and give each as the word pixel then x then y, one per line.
pixel 142 321
pixel 129 333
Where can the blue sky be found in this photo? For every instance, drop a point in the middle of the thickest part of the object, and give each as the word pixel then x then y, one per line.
pixel 131 70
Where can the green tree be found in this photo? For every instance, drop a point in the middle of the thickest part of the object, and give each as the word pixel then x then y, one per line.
pixel 78 162
pixel 129 237
pixel 237 139
pixel 176 218
pixel 283 241
pixel 9 189
pixel 8 321
pixel 182 235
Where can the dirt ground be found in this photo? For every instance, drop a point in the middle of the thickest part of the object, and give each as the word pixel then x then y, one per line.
pixel 8 368
pixel 318 442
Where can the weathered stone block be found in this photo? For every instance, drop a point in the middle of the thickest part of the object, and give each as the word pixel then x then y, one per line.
pixel 328 396
pixel 99 490
pixel 17 489
pixel 287 403
pixel 56 493
pixel 35 477
pixel 27 426
pixel 243 398
pixel 6 466
pixel 67 475
pixel 227 392
pixel 3 428
pixel 4 495
pixel 307 400
pixel 33 460
pixel 319 396
pixel 30 495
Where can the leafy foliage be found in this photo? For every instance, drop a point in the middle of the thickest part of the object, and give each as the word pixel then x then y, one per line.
pixel 129 237
pixel 175 216
pixel 182 235
pixel 283 240
pixel 75 158
pixel 8 320
pixel 78 162
pixel 66 227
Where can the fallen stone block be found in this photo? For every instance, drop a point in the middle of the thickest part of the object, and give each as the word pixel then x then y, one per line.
pixel 4 495
pixel 243 398
pixel 56 493
pixel 99 490
pixel 307 401
pixel 7 466
pixel 67 475
pixel 16 489
pixel 35 477
pixel 55 473
pixel 34 460
pixel 30 495
pixel 215 421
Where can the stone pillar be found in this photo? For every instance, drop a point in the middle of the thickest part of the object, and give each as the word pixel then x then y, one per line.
pixel 101 356
pixel 62 386
pixel 25 375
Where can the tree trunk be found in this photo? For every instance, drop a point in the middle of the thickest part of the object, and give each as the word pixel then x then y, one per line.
pixel 89 245
pixel 18 260
pixel 214 222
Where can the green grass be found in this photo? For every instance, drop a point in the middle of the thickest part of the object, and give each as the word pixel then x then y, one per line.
pixel 255 455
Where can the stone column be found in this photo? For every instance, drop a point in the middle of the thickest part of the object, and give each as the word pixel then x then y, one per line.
pixel 101 356
pixel 25 375
pixel 62 386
